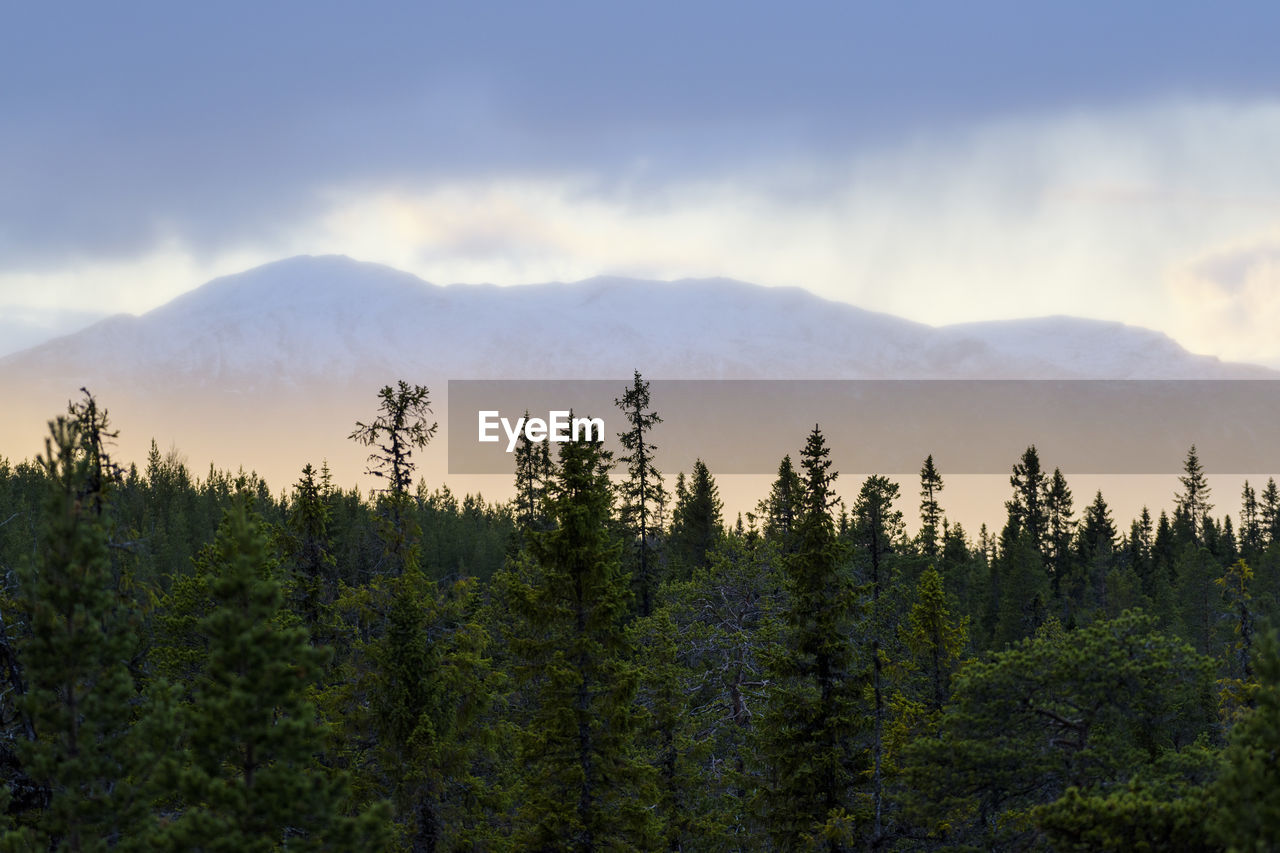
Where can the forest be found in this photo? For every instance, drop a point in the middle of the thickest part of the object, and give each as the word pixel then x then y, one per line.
pixel 605 662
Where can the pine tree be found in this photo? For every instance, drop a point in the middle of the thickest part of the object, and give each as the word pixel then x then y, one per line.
pixel 877 526
pixel 1060 528
pixel 1237 684
pixel 1140 546
pixel 1270 519
pixel 783 507
pixel 533 476
pixel 723 616
pixel 934 637
pixel 1250 523
pixel 930 512
pixel 395 434
pixel 80 698
pixel 1193 500
pixel 1093 709
pixel 1095 549
pixel 249 777
pixel 815 714
pixel 642 491
pixel 1027 511
pixel 429 687
pixel 697 522
pixel 1247 790
pixel 584 786
pixel 314 585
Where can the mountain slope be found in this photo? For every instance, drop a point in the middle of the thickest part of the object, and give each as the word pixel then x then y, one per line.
pixel 331 317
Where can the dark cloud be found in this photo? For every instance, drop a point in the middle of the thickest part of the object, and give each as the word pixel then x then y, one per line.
pixel 218 123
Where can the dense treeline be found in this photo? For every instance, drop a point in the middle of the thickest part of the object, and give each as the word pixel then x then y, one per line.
pixel 194 663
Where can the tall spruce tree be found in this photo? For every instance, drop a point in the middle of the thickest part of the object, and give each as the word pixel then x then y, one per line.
pixel 1193 500
pixel 815 717
pixel 697 521
pixel 1096 552
pixel 584 786
pixel 533 476
pixel 84 756
pixel 1060 525
pixel 313 586
pixel 930 511
pixel 1270 520
pixel 249 776
pixel 399 430
pixel 1026 509
pixel 642 491
pixel 783 507
pixel 935 638
pixel 877 528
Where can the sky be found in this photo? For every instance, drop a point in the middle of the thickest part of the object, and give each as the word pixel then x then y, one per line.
pixel 942 161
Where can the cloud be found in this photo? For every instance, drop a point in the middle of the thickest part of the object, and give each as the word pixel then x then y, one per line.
pixel 1085 212
pixel 220 126
pixel 1230 300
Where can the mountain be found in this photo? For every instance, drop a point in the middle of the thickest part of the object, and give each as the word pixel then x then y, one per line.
pixel 271 367
pixel 306 318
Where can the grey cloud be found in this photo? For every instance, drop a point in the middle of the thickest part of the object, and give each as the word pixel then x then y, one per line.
pixel 218 124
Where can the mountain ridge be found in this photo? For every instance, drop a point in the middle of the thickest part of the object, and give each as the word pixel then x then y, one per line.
pixel 331 314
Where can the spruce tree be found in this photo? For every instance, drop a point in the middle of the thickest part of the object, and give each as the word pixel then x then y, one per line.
pixel 642 491
pixel 584 787
pixel 935 638
pixel 249 778
pixel 930 511
pixel 1247 790
pixel 429 687
pixel 1019 580
pixel 1060 528
pixel 783 507
pixel 533 470
pixel 697 521
pixel 1250 522
pixel 314 584
pixel 80 697
pixel 815 716
pixel 1139 546
pixel 1095 551
pixel 399 430
pixel 1027 511
pixel 876 530
pixel 1193 500
pixel 1270 520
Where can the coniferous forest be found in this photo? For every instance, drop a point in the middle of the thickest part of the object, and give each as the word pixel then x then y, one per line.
pixel 195 662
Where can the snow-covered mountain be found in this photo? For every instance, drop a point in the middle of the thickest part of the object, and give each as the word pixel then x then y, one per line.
pixel 333 318
pixel 270 368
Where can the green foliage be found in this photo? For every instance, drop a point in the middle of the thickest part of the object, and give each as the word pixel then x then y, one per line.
pixel 809 736
pixel 247 776
pixel 930 511
pixel 934 638
pixel 696 522
pixel 642 492
pixel 584 785
pixel 1247 790
pixel 400 429
pixel 79 700
pixel 172 680
pixel 1091 709
pixel 427 684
